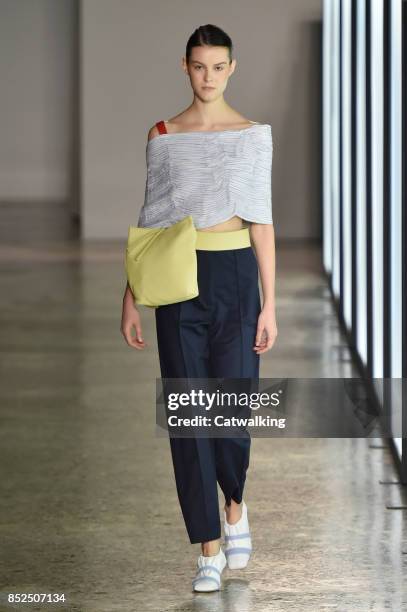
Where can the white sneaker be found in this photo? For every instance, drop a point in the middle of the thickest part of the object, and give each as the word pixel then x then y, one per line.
pixel 208 576
pixel 238 543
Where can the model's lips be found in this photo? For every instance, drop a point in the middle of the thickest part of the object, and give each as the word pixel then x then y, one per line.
pixel 207 87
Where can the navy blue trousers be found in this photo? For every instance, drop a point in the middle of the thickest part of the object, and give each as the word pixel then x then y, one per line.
pixel 211 336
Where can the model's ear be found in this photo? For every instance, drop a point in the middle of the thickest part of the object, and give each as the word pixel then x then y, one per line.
pixel 184 64
pixel 232 66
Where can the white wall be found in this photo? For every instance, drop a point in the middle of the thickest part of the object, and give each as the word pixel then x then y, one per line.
pixel 36 41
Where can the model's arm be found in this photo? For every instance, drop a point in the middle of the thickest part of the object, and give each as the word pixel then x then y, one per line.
pixel 128 294
pixel 130 314
pixel 131 318
pixel 262 238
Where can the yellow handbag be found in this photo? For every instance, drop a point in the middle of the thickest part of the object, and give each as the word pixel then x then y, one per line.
pixel 161 263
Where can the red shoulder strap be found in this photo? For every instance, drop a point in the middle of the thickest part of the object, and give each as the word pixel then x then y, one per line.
pixel 161 127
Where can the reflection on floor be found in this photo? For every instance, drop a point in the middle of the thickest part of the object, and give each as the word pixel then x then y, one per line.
pixel 88 499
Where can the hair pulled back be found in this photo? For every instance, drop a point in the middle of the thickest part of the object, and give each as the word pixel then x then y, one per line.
pixel 209 35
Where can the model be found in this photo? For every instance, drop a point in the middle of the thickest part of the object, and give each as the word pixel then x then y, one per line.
pixel 212 163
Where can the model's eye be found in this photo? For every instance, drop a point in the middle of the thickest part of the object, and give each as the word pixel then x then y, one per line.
pixel 218 68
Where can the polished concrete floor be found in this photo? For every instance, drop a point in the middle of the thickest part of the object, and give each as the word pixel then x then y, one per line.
pixel 88 499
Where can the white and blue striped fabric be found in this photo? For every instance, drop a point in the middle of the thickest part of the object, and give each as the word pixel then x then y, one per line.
pixel 211 176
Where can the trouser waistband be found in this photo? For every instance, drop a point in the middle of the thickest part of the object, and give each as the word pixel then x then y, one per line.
pixel 222 241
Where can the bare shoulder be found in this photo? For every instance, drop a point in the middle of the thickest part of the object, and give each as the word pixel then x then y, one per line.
pixel 240 122
pixel 153 132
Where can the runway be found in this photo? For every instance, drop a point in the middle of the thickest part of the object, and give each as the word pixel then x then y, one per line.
pixel 88 500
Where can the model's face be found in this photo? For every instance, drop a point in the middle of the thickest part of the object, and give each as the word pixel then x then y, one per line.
pixel 209 70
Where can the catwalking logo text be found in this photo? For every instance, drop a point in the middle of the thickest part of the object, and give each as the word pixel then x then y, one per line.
pixel 216 402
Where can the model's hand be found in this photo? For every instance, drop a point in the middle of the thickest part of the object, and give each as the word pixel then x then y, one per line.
pixel 131 318
pixel 266 331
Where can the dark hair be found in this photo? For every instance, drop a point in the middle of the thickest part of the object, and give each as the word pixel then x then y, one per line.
pixel 209 35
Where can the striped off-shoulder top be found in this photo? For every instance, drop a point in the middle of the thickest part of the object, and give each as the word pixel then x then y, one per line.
pixel 211 176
